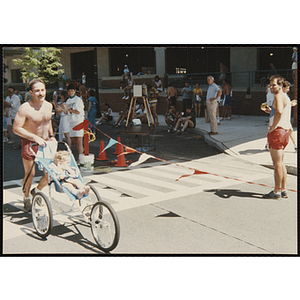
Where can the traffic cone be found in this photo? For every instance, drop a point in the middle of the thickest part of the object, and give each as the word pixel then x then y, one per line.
pixel 121 159
pixel 102 154
pixel 119 149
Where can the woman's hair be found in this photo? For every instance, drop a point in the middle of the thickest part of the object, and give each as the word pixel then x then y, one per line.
pixel 92 93
pixel 59 156
pixel 286 83
pixel 64 94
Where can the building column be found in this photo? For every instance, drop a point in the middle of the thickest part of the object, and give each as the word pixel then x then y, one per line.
pixel 103 62
pixel 160 60
pixel 242 59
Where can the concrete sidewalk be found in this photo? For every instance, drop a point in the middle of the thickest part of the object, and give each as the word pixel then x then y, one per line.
pixel 245 137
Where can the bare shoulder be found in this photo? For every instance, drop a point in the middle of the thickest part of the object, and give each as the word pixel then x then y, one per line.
pixel 48 104
pixel 24 108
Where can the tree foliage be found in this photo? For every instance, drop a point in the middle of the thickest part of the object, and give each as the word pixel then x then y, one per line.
pixel 41 63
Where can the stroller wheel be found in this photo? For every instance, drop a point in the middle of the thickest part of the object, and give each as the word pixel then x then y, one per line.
pixel 42 214
pixel 105 226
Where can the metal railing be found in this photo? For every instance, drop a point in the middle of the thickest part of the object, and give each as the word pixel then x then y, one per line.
pixel 245 79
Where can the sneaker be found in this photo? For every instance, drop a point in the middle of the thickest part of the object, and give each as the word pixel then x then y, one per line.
pixel 33 192
pixel 5 140
pixel 17 146
pixel 284 194
pixel 127 98
pixel 118 125
pixel 115 125
pixel 272 195
pixel 10 142
pixel 124 98
pixel 27 204
pixel 182 131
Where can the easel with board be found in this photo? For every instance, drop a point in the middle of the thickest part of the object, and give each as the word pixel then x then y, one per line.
pixel 141 130
pixel 138 93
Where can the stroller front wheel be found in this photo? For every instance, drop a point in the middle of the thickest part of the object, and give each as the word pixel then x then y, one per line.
pixel 105 226
pixel 42 217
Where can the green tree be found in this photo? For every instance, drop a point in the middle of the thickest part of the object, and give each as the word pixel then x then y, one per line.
pixel 41 63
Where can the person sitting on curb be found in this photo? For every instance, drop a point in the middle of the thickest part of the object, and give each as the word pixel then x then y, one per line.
pixel 107 114
pixel 171 118
pixel 141 114
pixel 123 116
pixel 188 120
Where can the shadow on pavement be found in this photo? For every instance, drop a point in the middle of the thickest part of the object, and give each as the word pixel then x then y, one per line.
pixel 227 193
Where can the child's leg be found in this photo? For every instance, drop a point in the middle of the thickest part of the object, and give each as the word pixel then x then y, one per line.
pixel 71 188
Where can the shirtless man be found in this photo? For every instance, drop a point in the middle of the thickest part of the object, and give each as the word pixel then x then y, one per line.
pixel 278 136
pixel 33 124
pixel 171 95
pixel 226 113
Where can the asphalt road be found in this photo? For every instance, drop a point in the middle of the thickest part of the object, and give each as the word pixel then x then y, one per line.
pixel 164 145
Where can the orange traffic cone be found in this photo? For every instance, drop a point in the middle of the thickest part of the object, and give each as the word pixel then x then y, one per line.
pixel 119 149
pixel 121 159
pixel 102 154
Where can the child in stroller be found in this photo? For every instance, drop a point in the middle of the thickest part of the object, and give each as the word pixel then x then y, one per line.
pixel 67 175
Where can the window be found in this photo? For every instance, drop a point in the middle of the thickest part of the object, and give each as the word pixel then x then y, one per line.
pixel 16 76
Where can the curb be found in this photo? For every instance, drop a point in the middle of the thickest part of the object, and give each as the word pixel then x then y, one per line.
pixel 291 170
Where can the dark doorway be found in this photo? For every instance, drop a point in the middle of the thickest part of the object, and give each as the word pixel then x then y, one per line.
pixel 196 59
pixel 83 62
pixel 136 58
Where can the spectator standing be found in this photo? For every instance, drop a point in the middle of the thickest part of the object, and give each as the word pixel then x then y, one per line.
pixel 158 84
pixel 83 79
pixel 28 96
pixel 128 87
pixel 226 112
pixel 153 99
pixel 18 94
pixel 64 123
pixel 12 101
pixel 83 96
pixel 286 88
pixel 172 95
pixel 294 61
pixel 213 93
pixel 91 110
pixel 269 96
pixel 5 116
pixel 187 94
pixel 197 99
pixel 278 136
pixel 223 70
pixel 76 110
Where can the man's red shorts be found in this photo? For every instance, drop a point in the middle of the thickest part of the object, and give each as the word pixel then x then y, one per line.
pixel 26 152
pixel 278 139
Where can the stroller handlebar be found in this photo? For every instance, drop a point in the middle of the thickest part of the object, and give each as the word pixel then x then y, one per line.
pixel 58 143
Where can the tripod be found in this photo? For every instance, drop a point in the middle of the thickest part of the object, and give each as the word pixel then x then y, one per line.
pixel 132 110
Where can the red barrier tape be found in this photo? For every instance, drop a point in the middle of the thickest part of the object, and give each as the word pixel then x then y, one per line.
pixel 196 172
